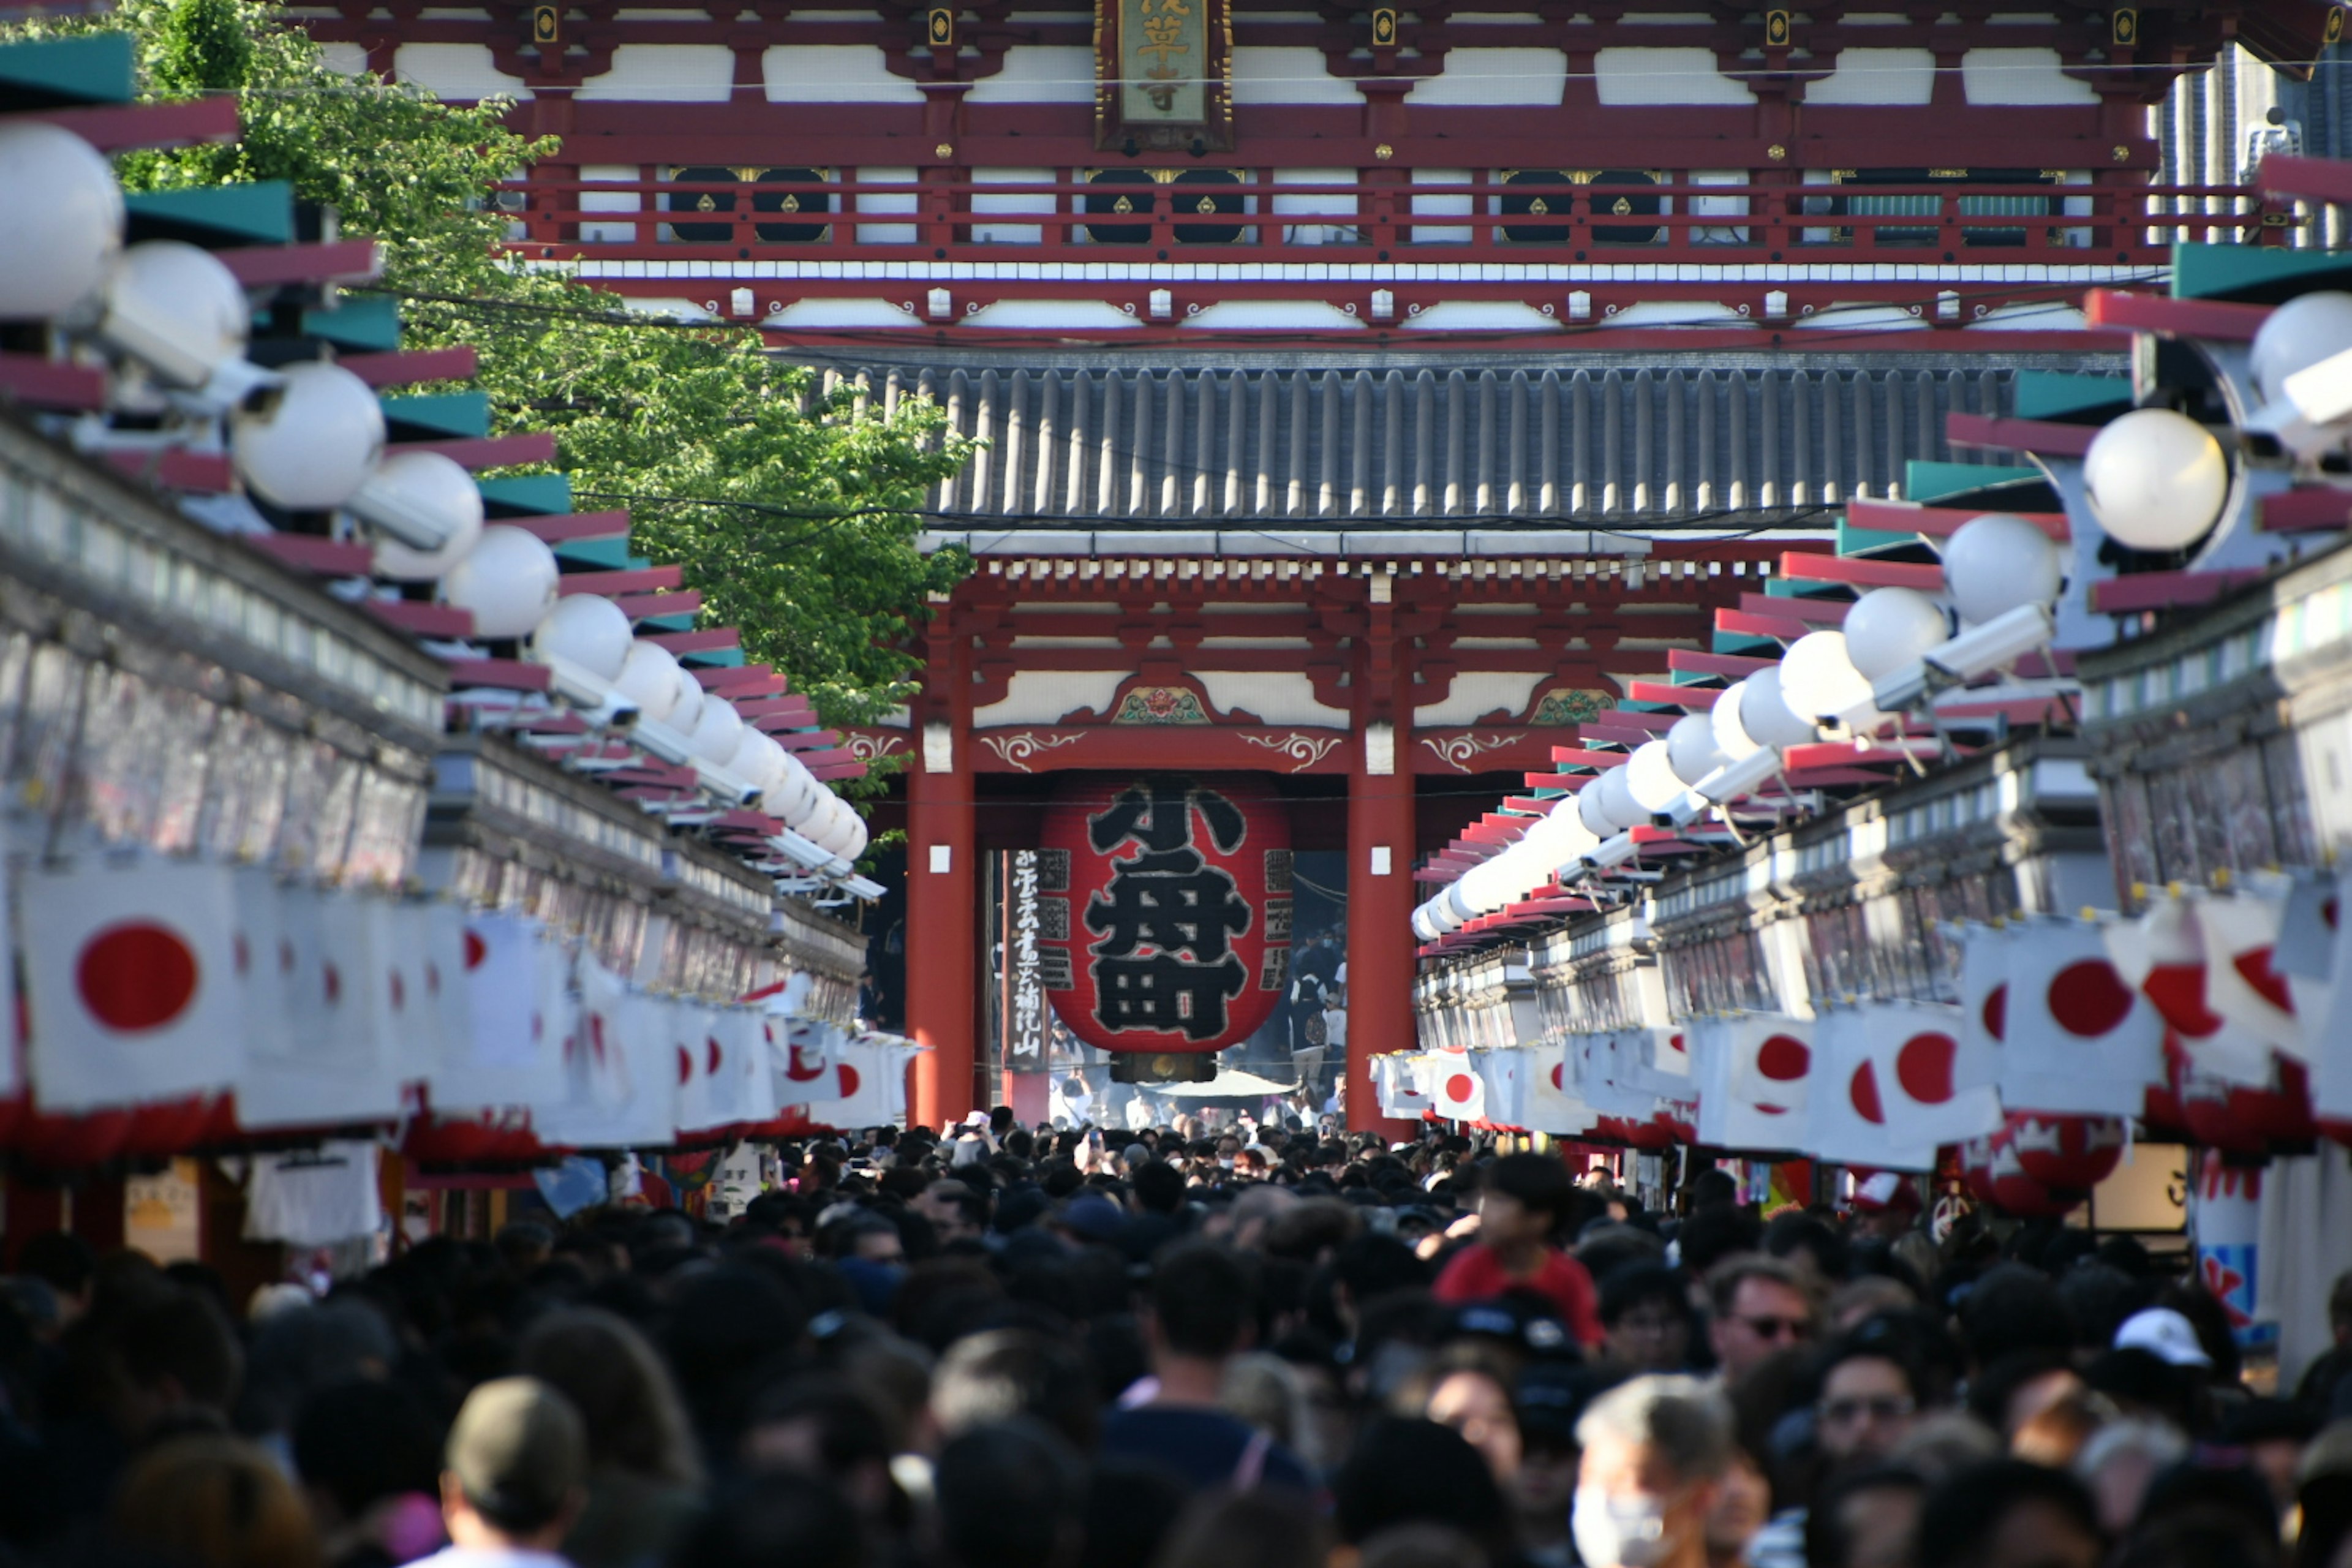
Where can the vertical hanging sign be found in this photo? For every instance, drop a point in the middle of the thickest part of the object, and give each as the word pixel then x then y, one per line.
pixel 1163 69
pixel 1024 987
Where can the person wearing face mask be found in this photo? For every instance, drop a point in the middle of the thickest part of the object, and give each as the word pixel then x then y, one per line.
pixel 1655 1451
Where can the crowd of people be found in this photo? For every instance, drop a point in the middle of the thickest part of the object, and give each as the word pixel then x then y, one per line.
pixel 1015 1349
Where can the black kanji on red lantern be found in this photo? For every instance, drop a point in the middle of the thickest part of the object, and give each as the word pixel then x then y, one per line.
pixel 1165 960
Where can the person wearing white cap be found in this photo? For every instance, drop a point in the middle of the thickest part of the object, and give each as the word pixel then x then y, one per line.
pixel 2165 1335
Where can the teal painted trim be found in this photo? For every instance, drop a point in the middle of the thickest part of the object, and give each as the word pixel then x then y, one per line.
pixel 1853 541
pixel 610 554
pixel 2251 271
pixel 668 623
pixel 1740 643
pixel 2053 395
pixel 452 414
pixel 720 659
pixel 53 73
pixel 1801 588
pixel 369 322
pixel 260 213
pixel 1931 484
pixel 539 495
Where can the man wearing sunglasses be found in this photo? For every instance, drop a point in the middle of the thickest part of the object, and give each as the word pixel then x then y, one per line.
pixel 1761 1306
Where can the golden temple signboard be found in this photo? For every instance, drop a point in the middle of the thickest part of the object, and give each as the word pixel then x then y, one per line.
pixel 1163 70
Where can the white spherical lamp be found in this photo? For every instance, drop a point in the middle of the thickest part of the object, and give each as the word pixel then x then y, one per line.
pixel 718 730
pixel 1890 627
pixel 589 631
pixel 308 444
pixel 2156 480
pixel 857 834
pixel 649 678
pixel 1819 681
pixel 65 221
pixel 758 761
pixel 1995 562
pixel 1558 838
pixel 1731 737
pixel 1495 881
pixel 1764 715
pixel 1593 810
pixel 1617 802
pixel 796 796
pixel 508 580
pixel 427 484
pixel 2300 333
pixel 1650 779
pixel 1691 750
pixel 175 308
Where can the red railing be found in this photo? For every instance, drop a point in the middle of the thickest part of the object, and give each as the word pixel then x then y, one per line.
pixel 1257 219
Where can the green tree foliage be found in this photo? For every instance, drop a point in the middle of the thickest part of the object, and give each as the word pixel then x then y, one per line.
pixel 810 551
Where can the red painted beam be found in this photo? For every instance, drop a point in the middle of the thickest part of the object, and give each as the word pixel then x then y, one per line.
pixel 1730 666
pixel 644 580
pixel 419 618
pixel 1696 698
pixel 1793 607
pixel 340 261
pixel 509 674
pixel 559 528
pixel 801 743
pixel 2161 313
pixel 174 469
pixel 489 451
pixel 1742 624
pixel 118 128
pixel 785 707
pixel 407 367
pixel 309 553
pixel 644 607
pixel 729 679
pixel 2315 508
pixel 2163 590
pixel 1863 572
pixel 1578 757
pixel 710 641
pixel 2001 434
pixel 41 383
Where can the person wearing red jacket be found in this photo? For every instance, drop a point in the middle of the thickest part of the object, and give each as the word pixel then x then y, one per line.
pixel 1522 1200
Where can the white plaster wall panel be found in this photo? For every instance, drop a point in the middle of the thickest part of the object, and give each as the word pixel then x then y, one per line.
pixel 459 72
pixel 1481 316
pixel 610 202
pixel 833 73
pixel 1480 78
pixel 2021 76
pixel 1323 204
pixel 1904 76
pixel 346 59
pixel 885 202
pixel 1633 77
pixel 1039 73
pixel 1478 692
pixel 1018 202
pixel 1053 315
pixel 841 314
pixel 1270 74
pixel 663 73
pixel 1452 204
pixel 1277 697
pixel 1273 316
pixel 1043 696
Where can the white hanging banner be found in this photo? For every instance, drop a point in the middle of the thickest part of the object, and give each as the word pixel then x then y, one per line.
pixel 2242 984
pixel 1934 1086
pixel 2077 1038
pixel 2162 955
pixel 351 996
pixel 1846 1115
pixel 132 986
pixel 1552 1103
pixel 1725 1119
pixel 1460 1093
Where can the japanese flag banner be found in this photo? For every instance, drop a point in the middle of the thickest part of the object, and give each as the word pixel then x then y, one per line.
pixel 1654 1060
pixel 682 1020
pixel 1985 956
pixel 1504 1074
pixel 345 1065
pixel 1771 1061
pixel 268 961
pixel 2240 933
pixel 2306 937
pixel 1725 1122
pixel 1605 1064
pixel 737 1040
pixel 1933 1085
pixel 621 1077
pixel 2075 1038
pixel 1846 1121
pixel 2162 955
pixel 2331 1066
pixel 1553 1105
pixel 502 1054
pixel 1460 1093
pixel 800 1076
pixel 861 1077
pixel 132 984
pixel 1393 1082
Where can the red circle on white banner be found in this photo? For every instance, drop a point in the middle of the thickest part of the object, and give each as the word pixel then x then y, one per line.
pixel 137 975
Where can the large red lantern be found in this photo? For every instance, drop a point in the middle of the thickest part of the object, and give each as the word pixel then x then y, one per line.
pixel 1173 927
pixel 2067 1153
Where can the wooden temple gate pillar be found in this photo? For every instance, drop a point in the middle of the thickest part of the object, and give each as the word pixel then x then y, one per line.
pixel 943 890
pixel 1381 844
